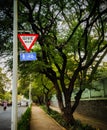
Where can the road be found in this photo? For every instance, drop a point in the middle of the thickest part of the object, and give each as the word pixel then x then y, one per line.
pixel 5 117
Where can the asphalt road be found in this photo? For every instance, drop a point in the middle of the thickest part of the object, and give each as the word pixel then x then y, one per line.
pixel 5 117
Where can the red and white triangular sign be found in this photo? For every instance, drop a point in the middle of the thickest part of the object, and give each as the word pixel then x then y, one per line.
pixel 28 40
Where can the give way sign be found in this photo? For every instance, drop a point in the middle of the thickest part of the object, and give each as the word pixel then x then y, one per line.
pixel 28 40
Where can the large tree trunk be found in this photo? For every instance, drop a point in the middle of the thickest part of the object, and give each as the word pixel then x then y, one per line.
pixel 68 109
pixel 68 116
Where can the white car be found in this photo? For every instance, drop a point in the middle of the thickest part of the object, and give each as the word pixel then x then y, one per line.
pixel 23 103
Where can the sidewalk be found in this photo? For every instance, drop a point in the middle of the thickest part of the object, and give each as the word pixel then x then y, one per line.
pixel 41 121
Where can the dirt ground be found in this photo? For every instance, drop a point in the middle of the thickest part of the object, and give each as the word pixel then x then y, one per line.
pixel 91 121
pixel 88 120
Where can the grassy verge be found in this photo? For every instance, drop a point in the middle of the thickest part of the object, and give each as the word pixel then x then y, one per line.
pixel 58 117
pixel 24 122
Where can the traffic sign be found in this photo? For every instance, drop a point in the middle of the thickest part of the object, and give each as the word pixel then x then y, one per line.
pixel 28 56
pixel 28 40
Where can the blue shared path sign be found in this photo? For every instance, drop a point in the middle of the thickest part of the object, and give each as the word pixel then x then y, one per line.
pixel 28 56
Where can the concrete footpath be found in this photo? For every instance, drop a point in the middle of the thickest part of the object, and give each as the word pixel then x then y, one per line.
pixel 42 121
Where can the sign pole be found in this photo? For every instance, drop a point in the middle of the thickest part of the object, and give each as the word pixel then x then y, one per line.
pixel 30 95
pixel 30 90
pixel 15 64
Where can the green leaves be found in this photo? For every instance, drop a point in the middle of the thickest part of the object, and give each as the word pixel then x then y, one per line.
pixel 4 82
pixel 72 35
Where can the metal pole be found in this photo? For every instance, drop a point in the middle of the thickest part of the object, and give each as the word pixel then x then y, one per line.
pixel 15 64
pixel 30 89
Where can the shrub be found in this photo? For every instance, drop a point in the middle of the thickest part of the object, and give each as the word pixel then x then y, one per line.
pixel 24 122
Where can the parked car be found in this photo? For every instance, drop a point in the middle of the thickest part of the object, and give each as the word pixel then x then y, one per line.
pixel 23 103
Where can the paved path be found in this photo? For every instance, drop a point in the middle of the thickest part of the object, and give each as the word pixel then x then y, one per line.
pixel 41 121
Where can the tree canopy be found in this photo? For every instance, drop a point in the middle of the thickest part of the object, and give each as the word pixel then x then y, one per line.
pixel 72 35
pixel 4 83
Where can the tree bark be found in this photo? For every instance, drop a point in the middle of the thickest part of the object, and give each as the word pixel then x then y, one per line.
pixel 68 116
pixel 66 110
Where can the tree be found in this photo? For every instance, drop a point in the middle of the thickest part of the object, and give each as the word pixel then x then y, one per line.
pixel 71 36
pixel 43 89
pixel 23 85
pixel 101 73
pixel 6 27
pixel 4 81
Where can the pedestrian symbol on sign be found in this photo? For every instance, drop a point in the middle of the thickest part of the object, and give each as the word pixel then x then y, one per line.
pixel 28 56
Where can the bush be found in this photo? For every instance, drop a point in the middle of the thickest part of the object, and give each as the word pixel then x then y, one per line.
pixel 24 122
